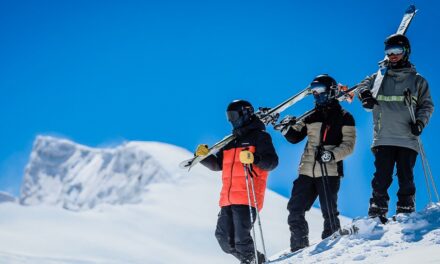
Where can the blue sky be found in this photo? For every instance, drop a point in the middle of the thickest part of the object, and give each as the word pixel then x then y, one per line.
pixel 101 72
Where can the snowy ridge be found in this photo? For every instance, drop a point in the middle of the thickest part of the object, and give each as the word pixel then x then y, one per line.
pixel 413 238
pixel 6 197
pixel 76 177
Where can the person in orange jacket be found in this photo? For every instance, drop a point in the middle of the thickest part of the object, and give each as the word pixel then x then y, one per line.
pixel 253 147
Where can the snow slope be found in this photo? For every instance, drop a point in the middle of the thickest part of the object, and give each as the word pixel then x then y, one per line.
pixel 168 219
pixel 413 238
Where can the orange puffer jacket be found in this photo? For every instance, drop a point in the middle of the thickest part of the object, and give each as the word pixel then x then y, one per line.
pixel 234 191
pixel 234 180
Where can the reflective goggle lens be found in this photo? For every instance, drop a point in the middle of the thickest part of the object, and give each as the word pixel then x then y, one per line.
pixel 394 50
pixel 318 88
pixel 232 115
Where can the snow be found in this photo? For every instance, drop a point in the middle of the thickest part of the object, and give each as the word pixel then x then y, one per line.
pixel 77 177
pixel 171 217
pixel 6 198
pixel 410 238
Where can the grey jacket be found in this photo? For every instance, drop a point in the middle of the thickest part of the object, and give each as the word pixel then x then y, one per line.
pixel 391 117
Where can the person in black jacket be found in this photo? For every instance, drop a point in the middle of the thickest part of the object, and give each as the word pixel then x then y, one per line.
pixel 253 147
pixel 331 137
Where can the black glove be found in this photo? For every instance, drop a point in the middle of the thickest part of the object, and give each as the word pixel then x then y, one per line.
pixel 417 127
pixel 324 156
pixel 267 119
pixel 368 101
pixel 285 123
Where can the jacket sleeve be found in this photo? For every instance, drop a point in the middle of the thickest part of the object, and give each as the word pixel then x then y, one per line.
pixel 265 156
pixel 348 139
pixel 214 162
pixel 425 105
pixel 367 83
pixel 296 133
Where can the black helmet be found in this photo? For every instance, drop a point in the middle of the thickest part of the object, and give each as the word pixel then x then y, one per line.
pixel 324 88
pixel 239 113
pixel 399 40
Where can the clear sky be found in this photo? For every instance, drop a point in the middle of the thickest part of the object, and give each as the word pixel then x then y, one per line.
pixel 101 72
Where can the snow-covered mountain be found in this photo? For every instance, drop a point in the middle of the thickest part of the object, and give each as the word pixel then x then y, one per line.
pixel 61 172
pixel 141 208
pixel 7 198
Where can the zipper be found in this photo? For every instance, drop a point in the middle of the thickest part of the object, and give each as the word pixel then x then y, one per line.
pixel 232 169
pixel 321 143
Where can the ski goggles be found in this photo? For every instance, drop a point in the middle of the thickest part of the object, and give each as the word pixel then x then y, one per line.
pixel 233 115
pixel 394 50
pixel 322 98
pixel 318 88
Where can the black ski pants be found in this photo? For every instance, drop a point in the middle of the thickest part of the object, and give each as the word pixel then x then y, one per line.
pixel 304 193
pixel 386 157
pixel 233 231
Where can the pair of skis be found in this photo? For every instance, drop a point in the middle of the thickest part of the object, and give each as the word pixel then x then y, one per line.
pixel 270 115
pixel 266 115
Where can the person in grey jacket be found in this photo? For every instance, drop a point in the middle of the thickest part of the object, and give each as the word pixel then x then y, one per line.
pixel 395 135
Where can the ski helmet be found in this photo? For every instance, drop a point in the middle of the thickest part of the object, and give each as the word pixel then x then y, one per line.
pixel 398 40
pixel 239 113
pixel 324 88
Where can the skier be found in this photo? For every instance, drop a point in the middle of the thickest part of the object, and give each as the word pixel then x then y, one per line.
pixel 252 146
pixel 331 137
pixel 395 135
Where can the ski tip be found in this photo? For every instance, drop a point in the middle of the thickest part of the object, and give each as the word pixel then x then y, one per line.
pixel 186 164
pixel 411 9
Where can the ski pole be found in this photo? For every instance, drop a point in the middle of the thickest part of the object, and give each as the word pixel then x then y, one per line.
pixel 425 165
pixel 327 185
pixel 423 155
pixel 250 210
pixel 247 167
pixel 330 218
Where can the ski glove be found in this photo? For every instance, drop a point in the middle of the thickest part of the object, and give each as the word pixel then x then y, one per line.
pixel 246 157
pixel 268 119
pixel 202 150
pixel 417 127
pixel 368 101
pixel 326 156
pixel 285 124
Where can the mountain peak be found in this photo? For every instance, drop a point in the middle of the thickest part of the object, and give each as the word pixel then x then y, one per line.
pixel 61 172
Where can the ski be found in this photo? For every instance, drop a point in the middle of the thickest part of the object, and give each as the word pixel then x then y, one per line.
pixel 188 164
pixel 402 29
pixel 344 94
pixel 266 115
pixel 287 120
pixel 270 115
